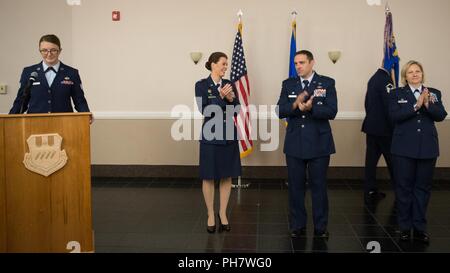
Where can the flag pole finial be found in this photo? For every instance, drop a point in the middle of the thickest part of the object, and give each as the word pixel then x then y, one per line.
pixel 387 7
pixel 239 14
pixel 294 14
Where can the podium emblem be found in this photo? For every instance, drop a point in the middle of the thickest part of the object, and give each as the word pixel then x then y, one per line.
pixel 45 156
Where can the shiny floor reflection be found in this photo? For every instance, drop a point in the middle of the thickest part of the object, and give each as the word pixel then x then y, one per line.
pixel 169 215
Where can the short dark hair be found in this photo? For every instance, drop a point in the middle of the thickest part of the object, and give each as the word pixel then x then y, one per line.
pixel 51 38
pixel 214 58
pixel 308 54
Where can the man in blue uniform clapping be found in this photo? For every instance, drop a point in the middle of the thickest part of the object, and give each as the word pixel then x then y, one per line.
pixel 308 102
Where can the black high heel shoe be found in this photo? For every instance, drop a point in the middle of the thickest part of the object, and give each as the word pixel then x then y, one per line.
pixel 211 229
pixel 222 227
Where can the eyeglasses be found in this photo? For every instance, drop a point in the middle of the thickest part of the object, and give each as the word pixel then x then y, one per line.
pixel 46 51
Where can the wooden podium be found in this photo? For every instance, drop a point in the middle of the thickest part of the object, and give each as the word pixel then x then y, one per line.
pixel 41 213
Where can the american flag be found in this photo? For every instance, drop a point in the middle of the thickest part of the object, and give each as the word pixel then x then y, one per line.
pixel 240 79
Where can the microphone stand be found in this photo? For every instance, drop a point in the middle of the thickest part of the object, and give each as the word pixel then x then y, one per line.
pixel 25 100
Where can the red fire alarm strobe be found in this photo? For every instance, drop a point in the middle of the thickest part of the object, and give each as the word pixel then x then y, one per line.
pixel 116 15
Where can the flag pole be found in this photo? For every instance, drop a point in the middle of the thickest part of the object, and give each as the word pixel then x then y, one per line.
pixel 239 184
pixel 294 14
pixel 387 10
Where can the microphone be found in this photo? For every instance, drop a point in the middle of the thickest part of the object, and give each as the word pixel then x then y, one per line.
pixel 26 91
pixel 31 80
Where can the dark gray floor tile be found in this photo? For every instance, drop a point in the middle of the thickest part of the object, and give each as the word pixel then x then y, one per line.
pixel 205 241
pixel 239 242
pixel 147 215
pixel 244 229
pixel 243 217
pixel 103 239
pixel 361 219
pixel 278 243
pixel 338 244
pixel 370 231
pixel 341 230
pixel 272 218
pixel 273 229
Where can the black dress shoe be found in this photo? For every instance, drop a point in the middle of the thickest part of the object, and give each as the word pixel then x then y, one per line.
pixel 421 236
pixel 223 227
pixel 295 233
pixel 405 235
pixel 374 196
pixel 321 234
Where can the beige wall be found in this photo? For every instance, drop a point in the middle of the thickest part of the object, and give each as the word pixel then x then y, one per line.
pixel 22 23
pixel 140 67
pixel 142 63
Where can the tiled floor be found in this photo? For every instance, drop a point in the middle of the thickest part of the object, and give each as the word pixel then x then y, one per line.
pixel 169 215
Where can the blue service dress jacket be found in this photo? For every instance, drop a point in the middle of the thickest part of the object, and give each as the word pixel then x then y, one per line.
pixel 377 121
pixel 58 97
pixel 211 104
pixel 308 134
pixel 415 135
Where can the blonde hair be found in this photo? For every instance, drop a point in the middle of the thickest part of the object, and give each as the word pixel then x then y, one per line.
pixel 407 66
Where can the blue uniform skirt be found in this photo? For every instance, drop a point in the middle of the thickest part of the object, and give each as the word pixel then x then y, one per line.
pixel 220 161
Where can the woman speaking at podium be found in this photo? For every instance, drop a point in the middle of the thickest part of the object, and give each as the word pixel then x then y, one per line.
pixel 49 86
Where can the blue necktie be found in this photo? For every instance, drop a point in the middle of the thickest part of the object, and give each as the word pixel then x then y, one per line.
pixel 305 84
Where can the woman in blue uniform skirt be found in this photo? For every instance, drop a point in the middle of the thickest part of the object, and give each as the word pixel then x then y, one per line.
pixel 219 150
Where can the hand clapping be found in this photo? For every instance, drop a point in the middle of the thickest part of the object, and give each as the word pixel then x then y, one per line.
pixel 426 100
pixel 423 99
pixel 308 104
pixel 227 92
pixel 300 100
pixel 303 105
